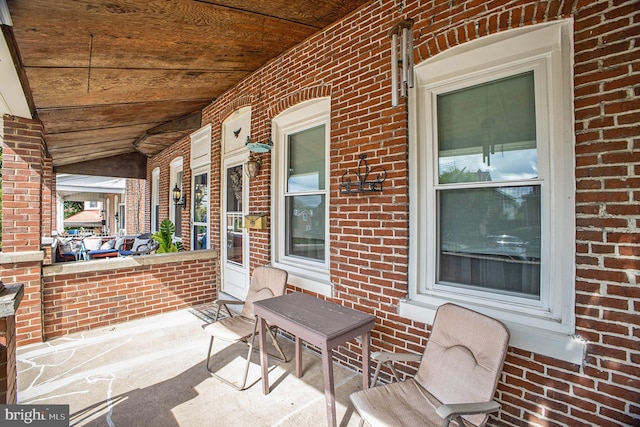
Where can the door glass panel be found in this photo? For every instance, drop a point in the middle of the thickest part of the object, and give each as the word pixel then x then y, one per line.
pixel 488 132
pixel 200 198
pixel 200 211
pixel 496 244
pixel 200 237
pixel 234 215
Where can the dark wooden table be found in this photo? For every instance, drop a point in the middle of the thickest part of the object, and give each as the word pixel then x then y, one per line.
pixel 321 323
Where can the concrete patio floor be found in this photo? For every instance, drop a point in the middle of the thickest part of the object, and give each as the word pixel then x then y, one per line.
pixel 151 372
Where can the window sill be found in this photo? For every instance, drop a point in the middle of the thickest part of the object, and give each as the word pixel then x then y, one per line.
pixel 312 281
pixel 537 340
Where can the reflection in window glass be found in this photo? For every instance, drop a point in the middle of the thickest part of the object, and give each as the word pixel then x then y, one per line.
pixel 488 235
pixel 495 245
pixel 178 208
pixel 488 132
pixel 200 198
pixel 234 189
pixel 306 226
pixel 200 237
pixel 234 238
pixel 305 195
pixel 200 211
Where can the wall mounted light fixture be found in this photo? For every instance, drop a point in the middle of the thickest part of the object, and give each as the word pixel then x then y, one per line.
pixel 252 166
pixel 178 198
pixel 198 194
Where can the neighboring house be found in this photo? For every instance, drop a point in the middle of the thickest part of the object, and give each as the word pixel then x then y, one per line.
pixel 120 202
pixel 541 94
pixel 88 218
pixel 100 194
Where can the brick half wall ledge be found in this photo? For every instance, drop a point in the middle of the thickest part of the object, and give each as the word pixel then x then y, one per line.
pixel 10 298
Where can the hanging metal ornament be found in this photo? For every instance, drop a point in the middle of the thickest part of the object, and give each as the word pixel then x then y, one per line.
pixel 401 69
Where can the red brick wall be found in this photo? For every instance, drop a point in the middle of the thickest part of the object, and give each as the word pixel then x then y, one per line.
pixel 8 369
pixel 137 206
pixel 49 206
pixel 29 314
pixel 369 234
pixel 22 184
pixel 22 166
pixel 82 301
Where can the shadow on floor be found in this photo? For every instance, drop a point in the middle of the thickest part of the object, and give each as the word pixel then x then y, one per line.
pixel 152 372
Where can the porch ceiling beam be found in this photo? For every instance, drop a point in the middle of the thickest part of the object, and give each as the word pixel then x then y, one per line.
pixel 131 165
pixel 162 136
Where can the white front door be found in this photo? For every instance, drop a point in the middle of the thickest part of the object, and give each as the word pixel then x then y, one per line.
pixel 235 238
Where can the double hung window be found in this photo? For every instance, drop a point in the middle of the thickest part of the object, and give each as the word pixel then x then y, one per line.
pixel 300 196
pixel 305 195
pixel 492 185
pixel 487 189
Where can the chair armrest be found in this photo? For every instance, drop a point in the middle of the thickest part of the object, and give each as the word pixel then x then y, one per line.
pixel 454 410
pixel 385 357
pixel 227 302
pixel 224 303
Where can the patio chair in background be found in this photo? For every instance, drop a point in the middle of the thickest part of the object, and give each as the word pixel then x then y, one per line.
pixel 67 249
pixel 266 282
pixel 456 379
pixel 142 245
pixel 101 248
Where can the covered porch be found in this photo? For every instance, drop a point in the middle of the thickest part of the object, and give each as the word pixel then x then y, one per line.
pixel 320 92
pixel 152 371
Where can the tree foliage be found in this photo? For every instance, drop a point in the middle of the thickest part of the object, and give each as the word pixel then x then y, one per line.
pixel 72 208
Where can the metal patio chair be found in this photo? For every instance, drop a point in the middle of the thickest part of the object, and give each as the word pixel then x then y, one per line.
pixel 266 282
pixel 456 379
pixel 142 245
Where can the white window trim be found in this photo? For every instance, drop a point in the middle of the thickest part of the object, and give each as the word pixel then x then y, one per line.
pixel 201 147
pixel 176 166
pixel 155 199
pixel 547 329
pixel 235 131
pixel 312 276
pixel 195 173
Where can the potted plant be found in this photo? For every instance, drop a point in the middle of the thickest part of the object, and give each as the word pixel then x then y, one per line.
pixel 164 237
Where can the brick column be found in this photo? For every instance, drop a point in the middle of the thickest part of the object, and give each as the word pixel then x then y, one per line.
pixel 22 187
pixel 48 208
pixel 10 298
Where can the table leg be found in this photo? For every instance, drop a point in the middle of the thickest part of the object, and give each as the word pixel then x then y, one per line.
pixel 264 362
pixel 298 357
pixel 329 394
pixel 366 355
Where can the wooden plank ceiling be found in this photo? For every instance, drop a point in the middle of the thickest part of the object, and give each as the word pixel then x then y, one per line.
pixel 114 77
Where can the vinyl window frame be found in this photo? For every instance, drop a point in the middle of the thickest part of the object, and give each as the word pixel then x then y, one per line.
pixel 547 328
pixel 308 274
